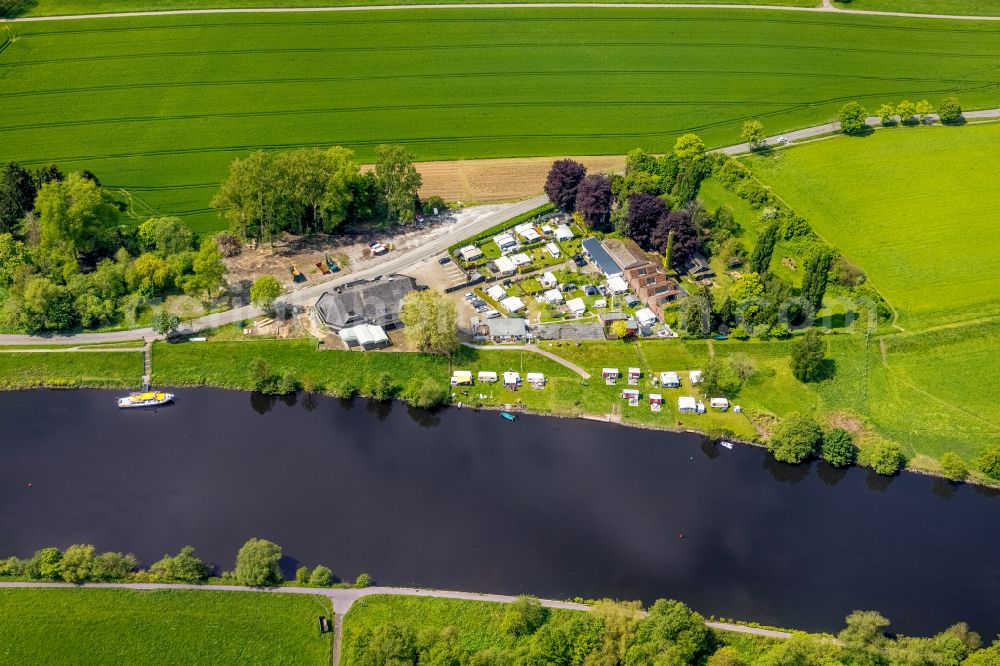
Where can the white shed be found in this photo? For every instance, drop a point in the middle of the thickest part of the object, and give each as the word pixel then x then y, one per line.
pixel 719 403
pixel 695 376
pixel 553 249
pixel 511 379
pixel 548 280
pixel 553 297
pixel 520 259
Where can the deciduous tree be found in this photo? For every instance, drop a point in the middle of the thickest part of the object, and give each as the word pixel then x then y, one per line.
pixel 853 118
pixel 954 467
pixel 17 195
pixel 398 180
pixel 593 200
pixel 689 147
pixel 679 227
pixel 321 576
pixel 264 291
pixel 73 218
pixel 906 110
pixel 257 563
pixel 209 270
pixel 838 448
pixel 644 214
pixel 887 114
pixel 753 134
pixel 809 358
pixel 882 455
pixel 988 462
pixel 760 260
pixel 950 110
pixel 795 439
pixel 165 323
pixel 923 108
pixel 814 279
pixel 184 567
pixel 563 182
pixel 430 321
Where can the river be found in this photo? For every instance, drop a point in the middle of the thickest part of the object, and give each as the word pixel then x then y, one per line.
pixel 464 500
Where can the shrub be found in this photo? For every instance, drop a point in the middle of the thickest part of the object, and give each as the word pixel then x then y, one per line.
pixel 434 202
pixel 954 467
pixel 721 378
pixel 883 456
pixel 363 580
pixel 302 575
pixel 110 567
pixel 382 387
pixel 347 388
pixel 838 448
pixel 426 393
pixel 321 576
pixel 950 110
pixel 846 274
pixel 13 567
pixel 988 462
pixel 795 439
pixel 44 564
pixel 184 567
pixel 76 565
pixel 726 656
pixel 524 616
pixel 257 563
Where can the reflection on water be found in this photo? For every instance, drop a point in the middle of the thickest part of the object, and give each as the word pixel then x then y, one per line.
pixel 463 499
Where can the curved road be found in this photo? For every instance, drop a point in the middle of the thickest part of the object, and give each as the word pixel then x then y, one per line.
pixel 343 598
pixel 826 7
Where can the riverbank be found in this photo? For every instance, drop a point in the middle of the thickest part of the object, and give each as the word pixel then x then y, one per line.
pixel 875 387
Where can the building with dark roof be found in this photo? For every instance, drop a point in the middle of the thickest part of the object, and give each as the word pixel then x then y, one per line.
pixel 599 255
pixel 376 302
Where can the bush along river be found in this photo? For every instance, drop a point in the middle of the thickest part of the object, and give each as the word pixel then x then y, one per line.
pixel 465 500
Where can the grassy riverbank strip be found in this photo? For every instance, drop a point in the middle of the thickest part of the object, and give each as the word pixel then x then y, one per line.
pixel 104 626
pixel 27 369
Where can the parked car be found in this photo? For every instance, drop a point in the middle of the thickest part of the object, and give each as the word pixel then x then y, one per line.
pixel 579 261
pixel 492 314
pixel 444 260
pixel 469 296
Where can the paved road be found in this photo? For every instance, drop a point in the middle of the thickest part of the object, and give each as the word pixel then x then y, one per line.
pixel 402 261
pixel 826 7
pixel 343 599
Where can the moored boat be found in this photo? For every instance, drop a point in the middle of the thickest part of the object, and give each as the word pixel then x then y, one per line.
pixel 146 399
pixel 508 416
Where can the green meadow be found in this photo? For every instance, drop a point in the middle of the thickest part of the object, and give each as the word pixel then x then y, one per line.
pixel 967 7
pixel 29 369
pixel 64 7
pixel 914 207
pixel 159 106
pixel 94 626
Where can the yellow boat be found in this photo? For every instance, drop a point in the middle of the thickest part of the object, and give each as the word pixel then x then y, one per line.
pixel 147 399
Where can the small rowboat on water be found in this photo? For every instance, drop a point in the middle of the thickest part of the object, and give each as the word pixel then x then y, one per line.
pixel 508 416
pixel 147 399
pixel 727 445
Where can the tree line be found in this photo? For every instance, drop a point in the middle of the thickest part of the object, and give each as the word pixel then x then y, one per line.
pixel 70 258
pixel 669 634
pixel 853 115
pixel 257 565
pixel 311 190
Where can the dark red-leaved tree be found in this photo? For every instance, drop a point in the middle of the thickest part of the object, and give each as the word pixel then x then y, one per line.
pixel 562 183
pixel 686 241
pixel 593 200
pixel 644 212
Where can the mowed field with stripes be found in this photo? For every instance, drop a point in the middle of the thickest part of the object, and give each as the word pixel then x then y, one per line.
pixel 158 106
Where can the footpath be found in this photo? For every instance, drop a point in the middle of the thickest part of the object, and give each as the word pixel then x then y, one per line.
pixel 343 599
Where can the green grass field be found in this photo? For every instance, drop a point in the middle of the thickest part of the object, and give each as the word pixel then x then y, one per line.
pixel 64 7
pixel 90 369
pixel 92 626
pixel 967 7
pixel 159 106
pixel 912 206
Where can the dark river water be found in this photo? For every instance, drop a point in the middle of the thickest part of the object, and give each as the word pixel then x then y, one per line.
pixel 464 500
